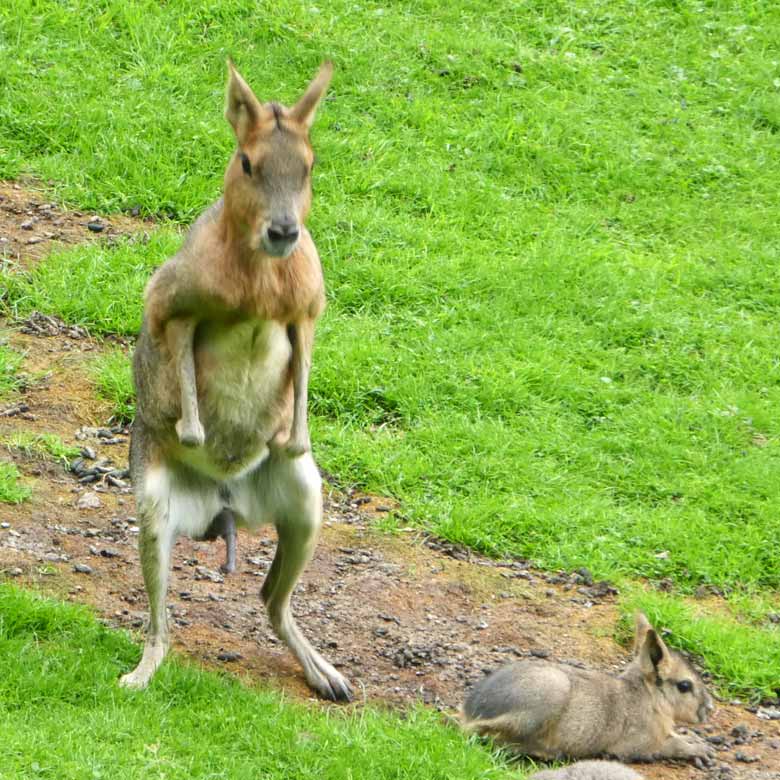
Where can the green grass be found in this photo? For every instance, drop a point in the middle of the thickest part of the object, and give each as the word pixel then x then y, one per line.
pixel 12 490
pixel 95 285
pixel 112 374
pixel 10 362
pixel 62 715
pixel 42 446
pixel 550 239
pixel 742 658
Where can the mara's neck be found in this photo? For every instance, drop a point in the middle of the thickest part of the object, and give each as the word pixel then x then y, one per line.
pixel 237 243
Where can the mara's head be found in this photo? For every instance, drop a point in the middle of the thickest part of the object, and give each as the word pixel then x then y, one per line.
pixel 268 179
pixel 669 677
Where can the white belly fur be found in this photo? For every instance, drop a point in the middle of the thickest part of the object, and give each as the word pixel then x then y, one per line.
pixel 241 372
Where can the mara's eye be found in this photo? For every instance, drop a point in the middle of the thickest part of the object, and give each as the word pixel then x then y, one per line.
pixel 685 686
pixel 246 165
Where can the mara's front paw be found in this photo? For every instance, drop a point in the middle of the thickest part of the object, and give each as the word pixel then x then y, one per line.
pixel 690 748
pixel 297 446
pixel 701 753
pixel 190 433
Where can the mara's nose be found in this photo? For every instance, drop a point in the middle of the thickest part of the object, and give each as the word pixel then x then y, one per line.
pixel 283 231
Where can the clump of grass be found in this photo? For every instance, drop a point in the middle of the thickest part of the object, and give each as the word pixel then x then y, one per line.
pixel 10 362
pixel 743 659
pixel 110 280
pixel 62 714
pixel 12 490
pixel 113 377
pixel 43 446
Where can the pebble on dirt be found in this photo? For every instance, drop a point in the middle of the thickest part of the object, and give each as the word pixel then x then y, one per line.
pixel 89 500
pixel 82 568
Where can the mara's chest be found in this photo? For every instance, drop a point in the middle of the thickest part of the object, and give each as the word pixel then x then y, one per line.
pixel 242 367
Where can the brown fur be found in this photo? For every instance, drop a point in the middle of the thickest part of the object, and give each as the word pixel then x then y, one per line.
pixel 554 711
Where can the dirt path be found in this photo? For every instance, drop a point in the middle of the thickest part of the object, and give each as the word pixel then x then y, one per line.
pixel 407 618
pixel 31 224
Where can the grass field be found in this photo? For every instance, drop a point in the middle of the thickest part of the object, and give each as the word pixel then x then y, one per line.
pixel 550 241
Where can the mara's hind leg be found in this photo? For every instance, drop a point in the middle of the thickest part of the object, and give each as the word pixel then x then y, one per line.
pixel 169 503
pixel 156 540
pixel 290 491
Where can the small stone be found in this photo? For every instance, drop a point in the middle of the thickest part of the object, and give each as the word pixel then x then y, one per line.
pixel 584 575
pixel 95 226
pixel 15 572
pixel 27 224
pixel 540 653
pixel 203 573
pixel 88 452
pixel 5 525
pixel 108 553
pixel 89 500
pixel 745 758
pixel 766 713
pixel 82 568
pixel 228 656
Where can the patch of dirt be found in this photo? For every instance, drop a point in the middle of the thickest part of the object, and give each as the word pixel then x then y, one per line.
pixel 31 224
pixel 408 618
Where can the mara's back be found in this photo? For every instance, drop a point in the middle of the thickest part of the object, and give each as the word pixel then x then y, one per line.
pixel 547 710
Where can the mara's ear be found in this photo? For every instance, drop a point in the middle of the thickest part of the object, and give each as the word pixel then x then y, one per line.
pixel 641 627
pixel 242 108
pixel 303 111
pixel 654 656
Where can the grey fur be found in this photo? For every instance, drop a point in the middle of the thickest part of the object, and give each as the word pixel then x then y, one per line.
pixel 554 711
pixel 589 770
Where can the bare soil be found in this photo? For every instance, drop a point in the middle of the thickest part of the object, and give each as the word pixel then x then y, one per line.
pixel 407 617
